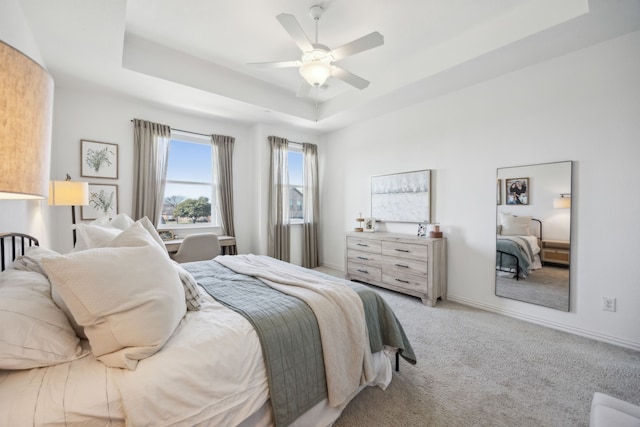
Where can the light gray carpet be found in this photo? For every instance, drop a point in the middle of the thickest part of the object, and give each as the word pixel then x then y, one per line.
pixel 477 368
pixel 548 286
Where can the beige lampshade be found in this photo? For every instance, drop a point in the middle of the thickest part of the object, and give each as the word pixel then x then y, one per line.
pixel 26 105
pixel 562 202
pixel 68 193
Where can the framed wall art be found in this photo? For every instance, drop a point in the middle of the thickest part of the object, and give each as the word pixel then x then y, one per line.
pixel 517 191
pixel 103 201
pixel 499 192
pixel 98 159
pixel 402 197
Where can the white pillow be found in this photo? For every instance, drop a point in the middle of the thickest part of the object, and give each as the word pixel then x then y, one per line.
pixel 94 236
pixel 34 331
pixel 121 221
pixel 32 259
pixel 128 297
pixel 516 225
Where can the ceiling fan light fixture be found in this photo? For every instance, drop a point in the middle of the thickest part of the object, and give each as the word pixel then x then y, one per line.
pixel 315 72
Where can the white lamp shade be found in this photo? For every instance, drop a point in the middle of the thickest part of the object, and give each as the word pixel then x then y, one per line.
pixel 315 72
pixel 26 105
pixel 561 202
pixel 68 193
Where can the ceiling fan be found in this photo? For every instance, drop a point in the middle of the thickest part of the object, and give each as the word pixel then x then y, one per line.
pixel 317 62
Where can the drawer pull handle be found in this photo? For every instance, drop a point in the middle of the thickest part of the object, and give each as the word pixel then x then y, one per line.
pixel 362 244
pixel 402 281
pixel 401 265
pixel 363 271
pixel 403 250
pixel 364 258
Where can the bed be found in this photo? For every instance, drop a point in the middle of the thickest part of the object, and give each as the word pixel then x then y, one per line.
pixel 518 245
pixel 116 333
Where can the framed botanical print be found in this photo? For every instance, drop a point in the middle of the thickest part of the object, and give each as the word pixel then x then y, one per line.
pixel 98 159
pixel 103 201
pixel 517 191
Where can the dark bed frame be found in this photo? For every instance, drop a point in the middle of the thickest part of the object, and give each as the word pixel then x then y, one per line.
pixel 18 243
pixel 500 254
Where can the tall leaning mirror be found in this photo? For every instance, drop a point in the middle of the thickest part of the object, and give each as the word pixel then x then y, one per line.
pixel 533 234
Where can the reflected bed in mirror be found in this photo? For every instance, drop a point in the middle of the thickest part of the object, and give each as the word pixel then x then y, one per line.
pixel 533 234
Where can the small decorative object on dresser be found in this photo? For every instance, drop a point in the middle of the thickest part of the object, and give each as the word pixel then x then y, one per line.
pixel 369 225
pixel 422 229
pixel 400 262
pixel 360 220
pixel 435 231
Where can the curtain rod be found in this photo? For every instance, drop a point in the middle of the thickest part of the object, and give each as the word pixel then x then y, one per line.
pixel 186 131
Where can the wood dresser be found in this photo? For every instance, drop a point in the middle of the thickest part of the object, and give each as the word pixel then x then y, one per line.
pixel 400 262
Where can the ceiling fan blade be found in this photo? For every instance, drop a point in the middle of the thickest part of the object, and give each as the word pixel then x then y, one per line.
pixel 291 24
pixel 282 64
pixel 347 77
pixel 367 42
pixel 304 89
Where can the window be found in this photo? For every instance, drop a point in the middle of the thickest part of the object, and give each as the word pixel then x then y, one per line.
pixel 296 193
pixel 189 194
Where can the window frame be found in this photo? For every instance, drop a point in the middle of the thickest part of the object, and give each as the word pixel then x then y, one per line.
pixel 215 216
pixel 296 148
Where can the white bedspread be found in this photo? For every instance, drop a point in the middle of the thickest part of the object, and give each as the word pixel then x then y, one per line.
pixel 211 369
pixel 339 312
pixel 211 372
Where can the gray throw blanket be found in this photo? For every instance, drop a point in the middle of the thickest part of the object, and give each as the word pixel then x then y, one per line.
pixel 293 353
pixel 518 247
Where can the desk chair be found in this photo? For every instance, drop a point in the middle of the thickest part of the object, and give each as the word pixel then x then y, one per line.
pixel 197 247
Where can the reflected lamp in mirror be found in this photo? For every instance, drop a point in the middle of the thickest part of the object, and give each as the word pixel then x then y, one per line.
pixel 562 202
pixel 26 91
pixel 69 193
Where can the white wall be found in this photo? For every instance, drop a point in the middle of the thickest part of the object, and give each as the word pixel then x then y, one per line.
pixel 583 107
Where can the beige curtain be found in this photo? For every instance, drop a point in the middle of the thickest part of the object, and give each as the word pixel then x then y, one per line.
pixel 223 165
pixel 311 210
pixel 278 218
pixel 150 153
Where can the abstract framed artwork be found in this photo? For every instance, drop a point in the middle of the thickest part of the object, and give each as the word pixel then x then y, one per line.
pixel 103 201
pixel 98 159
pixel 402 197
pixel 517 191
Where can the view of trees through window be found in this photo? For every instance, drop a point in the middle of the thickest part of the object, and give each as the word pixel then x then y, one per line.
pixel 189 191
pixel 296 193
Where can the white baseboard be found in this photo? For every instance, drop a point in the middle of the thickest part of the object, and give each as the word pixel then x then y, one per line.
pixel 544 322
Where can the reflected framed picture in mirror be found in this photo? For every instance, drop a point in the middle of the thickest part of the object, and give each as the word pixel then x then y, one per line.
pixel 499 192
pixel 517 191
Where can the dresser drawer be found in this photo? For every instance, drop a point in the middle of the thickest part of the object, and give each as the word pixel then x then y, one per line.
pixel 412 283
pixel 405 250
pixel 366 273
pixel 404 265
pixel 366 258
pixel 366 245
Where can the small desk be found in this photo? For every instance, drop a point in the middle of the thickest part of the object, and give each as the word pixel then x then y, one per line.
pixel 226 242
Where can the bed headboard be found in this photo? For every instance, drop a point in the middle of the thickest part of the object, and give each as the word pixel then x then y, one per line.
pixel 17 243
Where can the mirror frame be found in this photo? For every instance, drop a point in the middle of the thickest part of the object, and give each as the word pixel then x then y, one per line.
pixel 533 198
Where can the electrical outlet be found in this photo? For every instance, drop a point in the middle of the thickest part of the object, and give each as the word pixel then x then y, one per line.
pixel 608 304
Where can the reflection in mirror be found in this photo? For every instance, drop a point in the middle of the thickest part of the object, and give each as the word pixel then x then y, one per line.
pixel 533 249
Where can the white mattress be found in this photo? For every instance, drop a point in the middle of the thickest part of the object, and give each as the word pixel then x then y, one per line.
pixel 210 372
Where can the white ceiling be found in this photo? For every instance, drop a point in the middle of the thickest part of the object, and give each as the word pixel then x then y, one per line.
pixel 193 54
